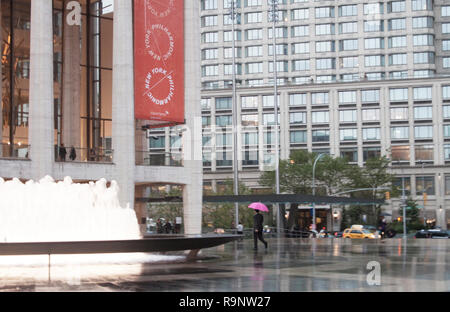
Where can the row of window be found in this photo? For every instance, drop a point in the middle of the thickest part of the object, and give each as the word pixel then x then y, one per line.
pixel 320 29
pixel 344 10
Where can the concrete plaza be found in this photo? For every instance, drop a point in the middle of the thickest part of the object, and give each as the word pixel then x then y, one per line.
pixel 288 265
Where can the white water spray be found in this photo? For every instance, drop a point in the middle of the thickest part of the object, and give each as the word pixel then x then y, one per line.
pixel 50 211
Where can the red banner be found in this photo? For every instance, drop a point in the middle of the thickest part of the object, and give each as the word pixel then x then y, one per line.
pixel 159 61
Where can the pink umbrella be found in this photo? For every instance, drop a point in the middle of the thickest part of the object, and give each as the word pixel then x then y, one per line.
pixel 259 206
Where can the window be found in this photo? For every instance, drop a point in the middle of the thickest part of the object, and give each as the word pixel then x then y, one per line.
pixel 399 113
pixel 320 117
pixel 298 136
pixel 398 74
pixel 423 112
pixel 446 28
pixel 250 158
pixel 445 10
pixel 224 139
pixel 425 184
pixel 325 63
pixel 421 5
pixel 349 62
pixel 297 118
pixel 250 138
pixel 319 98
pixel 320 135
pixel 209 54
pixel 210 70
pixel 253 17
pixel 373 25
pixel 249 120
pixel 374 43
pixel 223 121
pixel 370 134
pixel 371 152
pixel 228 69
pixel 446 131
pixel 397 24
pixel 446 92
pixel 282 49
pixel 253 51
pixel 228 52
pixel 300 31
pixel 399 133
pixel 268 101
pixel 398 94
pixel 209 4
pixel 348 27
pixel 228 36
pixel 300 65
pixel 373 8
pixel 348 10
pixel 348 44
pixel 397 42
pixel 227 3
pixel 325 46
pixel 447 152
pixel 254 68
pixel 348 134
pixel 223 103
pixel 299 14
pixel 370 96
pixel 347 97
pixel 324 29
pixel 348 115
pixel 282 66
pixel 424 58
pixel 224 159
pixel 324 12
pixel 269 119
pixel 373 60
pixel 209 20
pixel 280 32
pixel 423 40
pixel 372 114
pixel 210 37
pixel 351 154
pixel 422 93
pixel 396 6
pixel 423 132
pixel 445 45
pixel 301 47
pixel 158 142
pixel 446 111
pixel 249 102
pixel 253 34
pixel 397 59
pixel 400 153
pixel 423 22
pixel 206 121
pixel 297 99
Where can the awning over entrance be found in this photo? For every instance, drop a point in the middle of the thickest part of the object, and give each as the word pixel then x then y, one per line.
pixel 272 198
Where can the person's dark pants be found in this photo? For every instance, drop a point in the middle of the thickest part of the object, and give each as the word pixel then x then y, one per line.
pixel 256 236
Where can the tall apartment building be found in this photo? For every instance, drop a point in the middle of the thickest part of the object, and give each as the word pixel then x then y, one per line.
pixel 356 78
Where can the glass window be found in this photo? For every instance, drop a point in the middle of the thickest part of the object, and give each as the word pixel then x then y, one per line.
pixel 396 6
pixel 297 99
pixel 249 101
pixel 400 153
pixel 298 136
pixel 253 17
pixel 397 24
pixel 446 111
pixel 373 8
pixel 324 12
pixel 300 65
pixel 249 120
pixel 447 152
pixel 253 34
pixel 373 25
pixel 424 153
pixel 206 121
pixel 371 152
pixel 372 114
pixel 209 4
pixel 446 28
pixel 325 46
pixel 253 51
pixel 423 57
pixel 423 22
pixel 397 42
pixel 397 59
pixel 399 113
pixel 403 181
pixel 209 20
pixel 300 31
pixel 399 133
pixel 299 14
pixel 349 62
pixel 445 10
pixel 348 115
pixel 351 154
pixel 373 43
pixel 421 5
pixel 373 60
pixel 423 112
pixel 254 68
pixel 250 138
pixel 348 10
pixel 280 32
pixel 210 37
pixel 348 44
pixel 348 134
pixel 300 47
pixel 269 119
pixel 422 93
pixel 224 139
pixel 446 92
pixel 447 185
pixel 223 103
pixel 370 96
pixel 324 29
pixel 347 97
pixel 319 98
pixel 325 63
pixel 224 120
pixel 320 135
pixel 423 132
pixel 158 142
pixel 348 27
pixel 320 117
pixel 425 184
pixel 446 131
pixel 297 118
pixel 398 94
pixel 268 101
pixel 370 134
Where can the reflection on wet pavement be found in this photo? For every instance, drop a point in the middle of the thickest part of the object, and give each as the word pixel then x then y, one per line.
pixel 288 265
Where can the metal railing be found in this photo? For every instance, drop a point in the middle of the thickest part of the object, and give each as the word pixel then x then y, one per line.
pixel 17 151
pixel 81 154
pixel 151 158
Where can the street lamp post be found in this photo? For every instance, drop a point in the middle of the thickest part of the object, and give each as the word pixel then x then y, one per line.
pixel 235 119
pixel 274 16
pixel 314 190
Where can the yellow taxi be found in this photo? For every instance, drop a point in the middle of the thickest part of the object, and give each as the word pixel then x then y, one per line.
pixel 358 231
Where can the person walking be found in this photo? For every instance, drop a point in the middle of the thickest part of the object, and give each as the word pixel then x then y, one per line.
pixel 258 221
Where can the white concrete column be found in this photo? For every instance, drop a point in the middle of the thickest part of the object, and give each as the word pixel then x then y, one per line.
pixel 71 87
pixel 41 89
pixel 192 141
pixel 123 122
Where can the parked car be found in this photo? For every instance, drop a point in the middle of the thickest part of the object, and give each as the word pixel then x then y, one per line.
pixel 432 233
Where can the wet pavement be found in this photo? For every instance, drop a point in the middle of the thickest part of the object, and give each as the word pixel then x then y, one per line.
pixel 290 264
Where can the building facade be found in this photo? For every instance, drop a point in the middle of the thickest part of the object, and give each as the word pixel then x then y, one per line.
pixel 355 78
pixel 67 82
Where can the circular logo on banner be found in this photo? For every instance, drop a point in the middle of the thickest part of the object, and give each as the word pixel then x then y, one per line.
pixel 159 42
pixel 159 86
pixel 160 8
